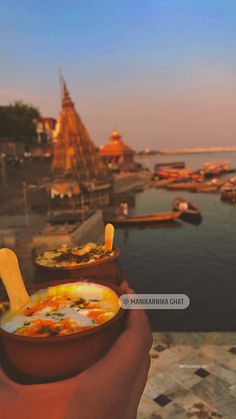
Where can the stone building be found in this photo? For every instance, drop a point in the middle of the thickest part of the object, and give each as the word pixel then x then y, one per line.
pixel 45 128
pixel 75 154
pixel 77 168
pixel 116 154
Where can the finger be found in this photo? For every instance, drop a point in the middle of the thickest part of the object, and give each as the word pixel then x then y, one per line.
pixel 132 345
pixel 130 291
pixel 125 288
pixel 138 328
pixel 138 319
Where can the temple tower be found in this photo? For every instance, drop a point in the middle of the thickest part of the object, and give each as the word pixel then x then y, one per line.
pixel 75 155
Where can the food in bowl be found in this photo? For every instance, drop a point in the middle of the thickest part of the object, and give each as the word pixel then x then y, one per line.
pixel 35 359
pixel 63 310
pixel 66 256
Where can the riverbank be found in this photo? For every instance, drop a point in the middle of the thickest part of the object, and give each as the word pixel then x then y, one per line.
pixel 187 150
pixel 124 182
pixel 52 236
pixel 28 240
pixel 199 150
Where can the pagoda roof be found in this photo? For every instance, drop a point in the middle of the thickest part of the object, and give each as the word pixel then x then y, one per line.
pixel 116 146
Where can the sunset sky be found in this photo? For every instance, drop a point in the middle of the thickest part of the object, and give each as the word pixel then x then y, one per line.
pixel 163 72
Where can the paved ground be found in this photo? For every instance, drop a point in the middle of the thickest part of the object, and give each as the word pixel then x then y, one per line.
pixel 192 375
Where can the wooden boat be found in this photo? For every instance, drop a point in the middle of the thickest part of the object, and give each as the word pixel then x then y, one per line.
pixel 144 219
pixel 174 174
pixel 231 181
pixel 228 193
pixel 212 169
pixel 206 188
pixel 189 212
pixel 184 186
pixel 212 185
pixel 162 183
pixel 170 165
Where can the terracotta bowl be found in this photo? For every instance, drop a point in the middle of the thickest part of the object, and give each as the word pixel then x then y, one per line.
pixel 106 270
pixel 58 357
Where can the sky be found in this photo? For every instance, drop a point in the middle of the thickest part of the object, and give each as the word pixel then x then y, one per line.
pixel 162 72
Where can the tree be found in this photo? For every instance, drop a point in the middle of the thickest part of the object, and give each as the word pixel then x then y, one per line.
pixel 17 121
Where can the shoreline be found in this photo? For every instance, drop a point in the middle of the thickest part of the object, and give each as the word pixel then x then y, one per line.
pixel 180 151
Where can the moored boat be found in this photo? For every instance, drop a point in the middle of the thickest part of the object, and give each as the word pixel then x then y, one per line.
pixel 212 169
pixel 228 193
pixel 174 174
pixel 231 181
pixel 212 185
pixel 148 218
pixel 162 183
pixel 206 188
pixel 189 211
pixel 169 165
pixel 183 186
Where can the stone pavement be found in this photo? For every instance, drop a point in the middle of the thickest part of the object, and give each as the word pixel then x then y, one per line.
pixel 192 375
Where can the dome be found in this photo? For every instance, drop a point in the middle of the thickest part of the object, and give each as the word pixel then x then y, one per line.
pixel 116 146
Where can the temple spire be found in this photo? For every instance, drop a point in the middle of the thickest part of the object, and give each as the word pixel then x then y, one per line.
pixel 66 99
pixel 74 154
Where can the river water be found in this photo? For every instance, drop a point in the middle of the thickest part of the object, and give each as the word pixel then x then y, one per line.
pixel 199 261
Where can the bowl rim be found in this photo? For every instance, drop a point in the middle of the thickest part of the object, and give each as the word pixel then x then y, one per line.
pixel 79 266
pixel 71 336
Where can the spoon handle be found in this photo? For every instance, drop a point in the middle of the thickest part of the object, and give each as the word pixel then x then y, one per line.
pixel 109 236
pixel 12 279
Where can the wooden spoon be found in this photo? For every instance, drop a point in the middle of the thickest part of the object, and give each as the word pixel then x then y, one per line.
pixel 109 237
pixel 12 280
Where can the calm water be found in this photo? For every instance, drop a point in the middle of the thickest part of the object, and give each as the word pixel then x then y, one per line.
pixel 199 261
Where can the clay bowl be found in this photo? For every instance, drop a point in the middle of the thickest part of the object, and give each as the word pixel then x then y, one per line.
pixel 48 359
pixel 106 270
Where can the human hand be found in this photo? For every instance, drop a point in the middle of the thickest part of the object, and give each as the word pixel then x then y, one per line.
pixel 111 388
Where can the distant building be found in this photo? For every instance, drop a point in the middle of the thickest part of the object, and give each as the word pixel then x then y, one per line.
pixel 116 154
pixel 45 128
